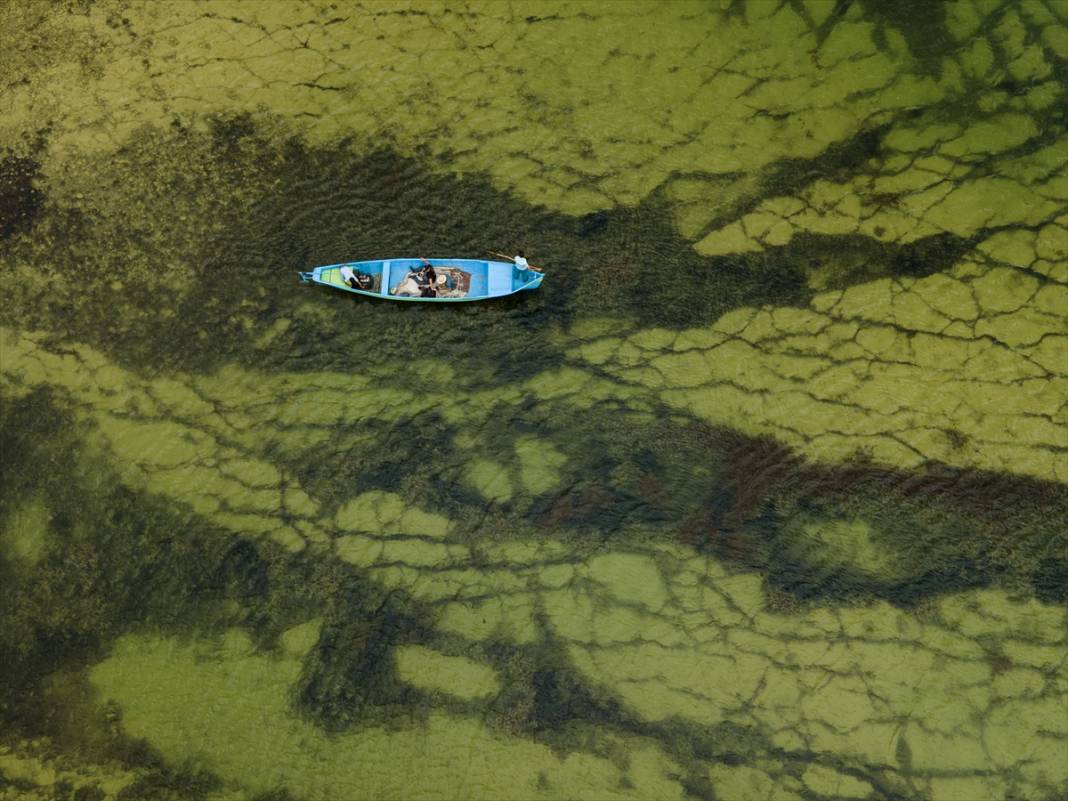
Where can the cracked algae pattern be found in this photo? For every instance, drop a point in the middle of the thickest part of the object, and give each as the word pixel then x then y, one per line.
pixel 901 370
pixel 702 120
pixel 389 575
pixel 668 634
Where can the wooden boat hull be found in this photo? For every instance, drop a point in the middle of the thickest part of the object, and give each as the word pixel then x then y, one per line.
pixel 468 279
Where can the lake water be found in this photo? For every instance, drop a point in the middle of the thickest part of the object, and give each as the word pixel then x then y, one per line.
pixel 762 496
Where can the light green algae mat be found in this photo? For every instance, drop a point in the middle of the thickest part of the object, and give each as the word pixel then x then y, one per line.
pixel 761 497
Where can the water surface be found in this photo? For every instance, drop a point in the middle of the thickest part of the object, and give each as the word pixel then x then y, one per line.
pixel 761 496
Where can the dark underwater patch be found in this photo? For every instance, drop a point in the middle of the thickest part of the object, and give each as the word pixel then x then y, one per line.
pixel 111 564
pixel 348 678
pixel 1050 579
pixel 116 560
pixel 855 259
pixel 921 22
pixel 949 524
pixel 736 498
pixel 163 783
pixel 259 210
pixel 838 163
pixel 20 200
pixel 637 267
pixel 404 451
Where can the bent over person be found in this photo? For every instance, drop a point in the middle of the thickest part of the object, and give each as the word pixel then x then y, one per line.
pixel 520 260
pixel 356 279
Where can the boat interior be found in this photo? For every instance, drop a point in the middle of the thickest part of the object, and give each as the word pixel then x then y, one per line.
pixel 472 279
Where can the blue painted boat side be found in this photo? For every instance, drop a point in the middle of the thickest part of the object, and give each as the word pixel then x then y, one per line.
pixel 489 279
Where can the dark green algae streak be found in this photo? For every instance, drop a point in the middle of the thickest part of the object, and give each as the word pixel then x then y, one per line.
pixel 261 541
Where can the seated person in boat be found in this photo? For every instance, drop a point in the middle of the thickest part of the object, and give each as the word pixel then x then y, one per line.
pixel 427 279
pixel 420 282
pixel 426 282
pixel 427 270
pixel 408 288
pixel 356 279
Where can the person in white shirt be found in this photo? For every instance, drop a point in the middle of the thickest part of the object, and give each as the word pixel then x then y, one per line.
pixel 520 261
pixel 356 279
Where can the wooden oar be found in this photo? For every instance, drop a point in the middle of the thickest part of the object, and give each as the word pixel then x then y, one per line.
pixel 512 259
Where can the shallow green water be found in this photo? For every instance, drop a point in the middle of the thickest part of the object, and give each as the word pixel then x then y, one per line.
pixel 761 496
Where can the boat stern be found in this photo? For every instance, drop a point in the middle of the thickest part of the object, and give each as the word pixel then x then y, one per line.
pixel 534 282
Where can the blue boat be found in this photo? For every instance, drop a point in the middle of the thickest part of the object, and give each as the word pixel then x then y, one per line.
pixel 458 280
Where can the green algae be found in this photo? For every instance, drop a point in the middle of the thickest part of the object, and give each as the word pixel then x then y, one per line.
pixel 608 161
pixel 387 513
pixel 664 675
pixel 506 618
pixel 827 782
pixel 629 578
pixel 255 741
pixel 300 639
pixel 844 543
pixel 454 675
pixel 29 771
pixel 603 503
pixel 26 535
pixel 540 464
pixel 707 384
pixel 237 488
pixel 751 784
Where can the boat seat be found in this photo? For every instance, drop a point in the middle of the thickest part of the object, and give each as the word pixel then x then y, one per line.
pixel 385 278
pixel 499 282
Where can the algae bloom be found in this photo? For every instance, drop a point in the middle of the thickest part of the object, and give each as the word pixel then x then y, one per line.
pixel 761 497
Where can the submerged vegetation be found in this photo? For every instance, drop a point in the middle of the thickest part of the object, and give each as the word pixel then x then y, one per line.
pixel 761 496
